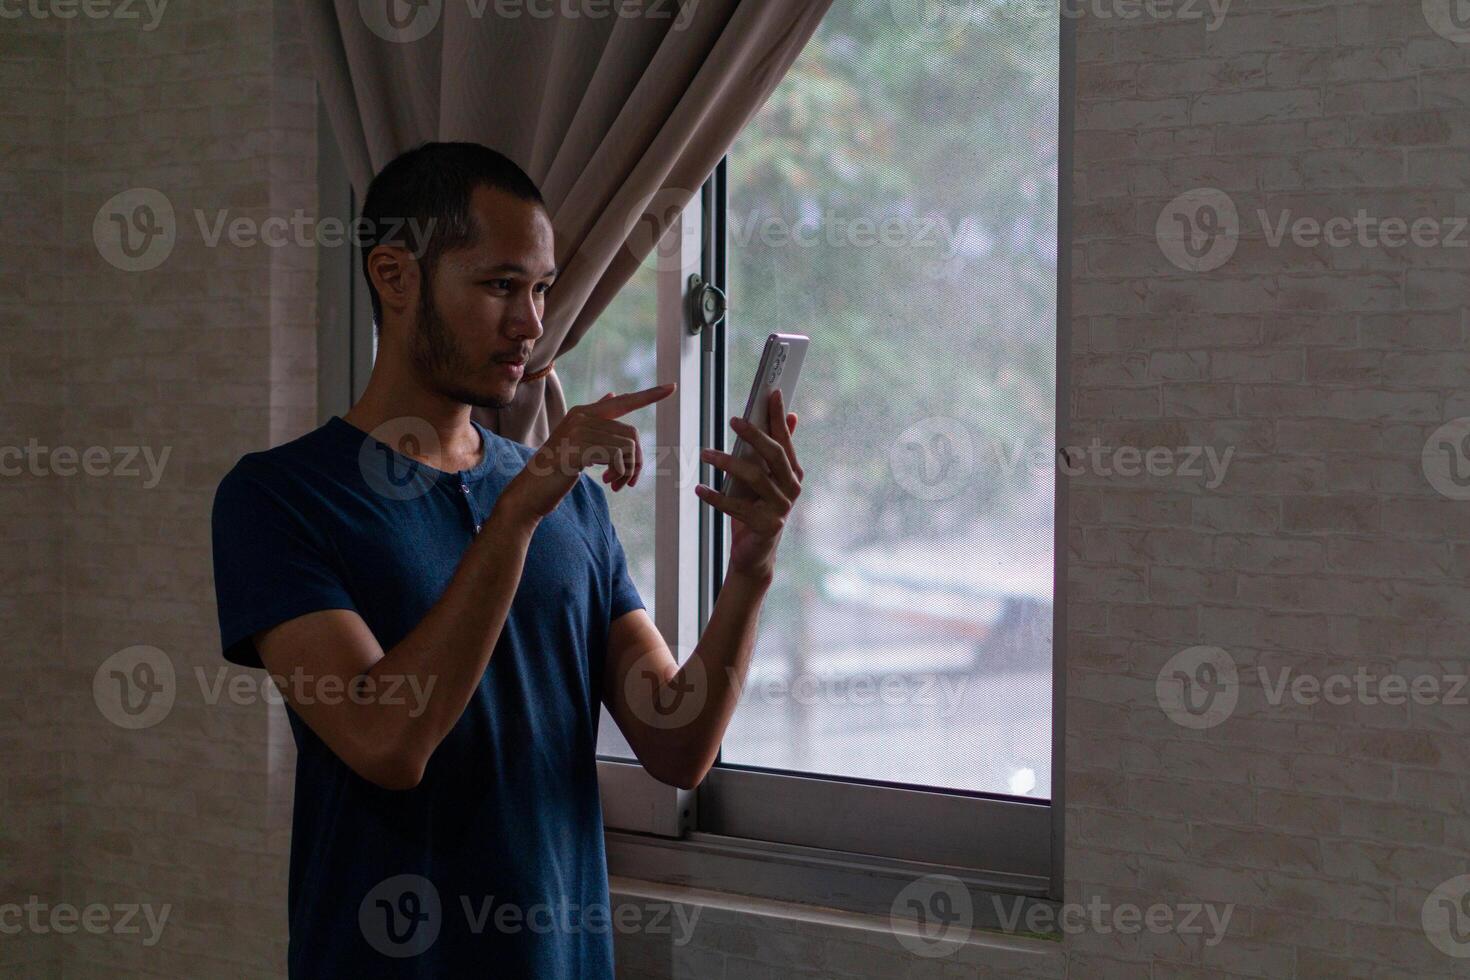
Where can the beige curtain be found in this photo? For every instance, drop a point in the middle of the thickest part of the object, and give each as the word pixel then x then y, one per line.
pixel 619 118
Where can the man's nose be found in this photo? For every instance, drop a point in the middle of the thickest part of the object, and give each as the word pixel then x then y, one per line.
pixel 525 319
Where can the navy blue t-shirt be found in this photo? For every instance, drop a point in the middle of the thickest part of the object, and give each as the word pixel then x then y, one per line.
pixel 494 865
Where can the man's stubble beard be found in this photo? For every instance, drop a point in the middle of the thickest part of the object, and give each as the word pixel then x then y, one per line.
pixel 440 362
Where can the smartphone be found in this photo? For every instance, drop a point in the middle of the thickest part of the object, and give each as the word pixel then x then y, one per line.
pixel 780 367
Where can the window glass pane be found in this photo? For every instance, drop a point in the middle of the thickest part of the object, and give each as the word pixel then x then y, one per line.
pixel 619 355
pixel 896 200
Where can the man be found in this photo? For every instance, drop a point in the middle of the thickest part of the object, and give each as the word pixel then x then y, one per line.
pixel 444 610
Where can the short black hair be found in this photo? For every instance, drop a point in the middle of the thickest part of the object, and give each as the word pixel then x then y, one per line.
pixel 425 192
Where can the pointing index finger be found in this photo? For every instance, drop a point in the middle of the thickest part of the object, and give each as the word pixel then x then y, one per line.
pixel 611 408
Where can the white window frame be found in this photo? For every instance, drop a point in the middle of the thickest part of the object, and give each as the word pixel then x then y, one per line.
pixel 632 800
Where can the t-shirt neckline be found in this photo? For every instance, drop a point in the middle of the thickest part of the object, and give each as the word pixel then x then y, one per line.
pixel 480 470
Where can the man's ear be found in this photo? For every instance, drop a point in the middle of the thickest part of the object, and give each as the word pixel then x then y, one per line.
pixel 395 276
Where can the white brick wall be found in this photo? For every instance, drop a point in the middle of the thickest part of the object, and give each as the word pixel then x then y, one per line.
pixel 1325 548
pixel 209 356
pixel 32 73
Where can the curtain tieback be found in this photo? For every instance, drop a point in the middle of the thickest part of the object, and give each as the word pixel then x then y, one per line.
pixel 538 375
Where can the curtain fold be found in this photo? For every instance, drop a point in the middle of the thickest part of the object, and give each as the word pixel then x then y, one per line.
pixel 619 119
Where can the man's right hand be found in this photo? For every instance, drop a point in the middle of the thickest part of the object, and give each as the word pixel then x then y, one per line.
pixel 589 435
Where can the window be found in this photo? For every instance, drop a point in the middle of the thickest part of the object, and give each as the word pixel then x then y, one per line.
pixel 897 200
pixel 618 355
pixel 916 242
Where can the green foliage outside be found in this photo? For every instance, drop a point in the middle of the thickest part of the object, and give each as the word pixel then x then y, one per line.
pixel 941 137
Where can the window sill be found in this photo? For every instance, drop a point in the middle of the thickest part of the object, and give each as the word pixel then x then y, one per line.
pixel 816 915
pixel 814 885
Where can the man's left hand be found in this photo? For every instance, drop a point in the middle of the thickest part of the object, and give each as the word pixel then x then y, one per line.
pixel 775 478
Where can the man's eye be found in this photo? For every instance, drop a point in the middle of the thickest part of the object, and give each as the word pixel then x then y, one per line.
pixel 498 283
pixel 543 288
